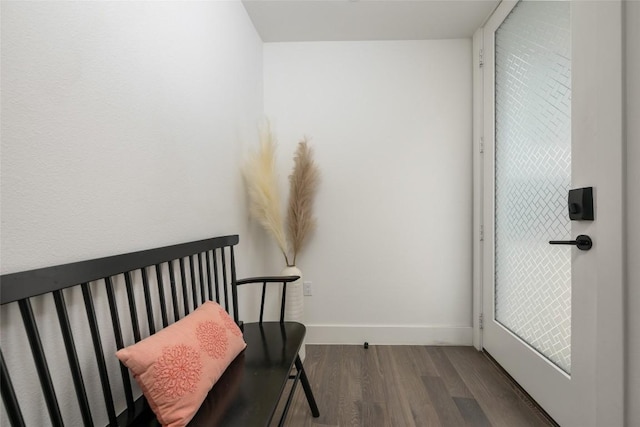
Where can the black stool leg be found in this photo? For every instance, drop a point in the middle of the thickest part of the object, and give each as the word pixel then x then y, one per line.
pixel 307 388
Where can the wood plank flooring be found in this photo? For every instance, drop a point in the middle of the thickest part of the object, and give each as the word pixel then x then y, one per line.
pixel 410 386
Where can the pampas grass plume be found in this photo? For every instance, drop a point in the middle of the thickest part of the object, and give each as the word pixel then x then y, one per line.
pixel 262 188
pixel 303 182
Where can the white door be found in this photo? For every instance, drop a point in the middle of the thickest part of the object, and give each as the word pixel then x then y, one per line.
pixel 553 121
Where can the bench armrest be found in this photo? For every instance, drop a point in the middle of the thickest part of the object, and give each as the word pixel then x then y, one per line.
pixel 267 279
pixel 264 280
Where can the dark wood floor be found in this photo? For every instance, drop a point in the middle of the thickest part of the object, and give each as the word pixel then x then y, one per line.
pixel 410 386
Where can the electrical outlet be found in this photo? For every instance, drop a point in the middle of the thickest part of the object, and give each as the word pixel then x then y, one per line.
pixel 307 288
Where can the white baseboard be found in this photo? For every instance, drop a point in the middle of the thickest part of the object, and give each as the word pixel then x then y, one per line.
pixel 384 335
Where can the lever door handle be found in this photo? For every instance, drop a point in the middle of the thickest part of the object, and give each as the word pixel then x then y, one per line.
pixel 583 242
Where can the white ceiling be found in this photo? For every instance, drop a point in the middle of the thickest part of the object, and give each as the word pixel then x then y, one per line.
pixel 341 20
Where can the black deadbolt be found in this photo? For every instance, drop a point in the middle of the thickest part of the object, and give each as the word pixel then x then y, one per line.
pixel 580 203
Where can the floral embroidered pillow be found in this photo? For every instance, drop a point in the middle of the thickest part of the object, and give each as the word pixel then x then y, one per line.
pixel 177 366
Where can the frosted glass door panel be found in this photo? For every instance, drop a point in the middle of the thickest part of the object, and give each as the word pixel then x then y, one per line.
pixel 533 176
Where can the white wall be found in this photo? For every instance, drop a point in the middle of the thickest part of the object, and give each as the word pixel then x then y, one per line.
pixel 123 126
pixel 632 14
pixel 390 123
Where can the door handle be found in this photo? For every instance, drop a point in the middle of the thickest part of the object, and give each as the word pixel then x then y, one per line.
pixel 583 242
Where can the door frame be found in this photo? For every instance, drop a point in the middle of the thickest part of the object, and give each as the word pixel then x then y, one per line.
pixel 597 51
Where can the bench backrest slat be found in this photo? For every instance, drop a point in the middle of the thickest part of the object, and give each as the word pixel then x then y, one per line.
pixel 161 297
pixel 72 356
pixel 185 291
pixel 216 277
pixel 9 396
pixel 203 295
pixel 99 353
pixel 41 362
pixel 234 295
pixel 133 309
pixel 117 333
pixel 147 301
pixel 224 281
pixel 199 277
pixel 174 291
pixel 194 292
pixel 209 283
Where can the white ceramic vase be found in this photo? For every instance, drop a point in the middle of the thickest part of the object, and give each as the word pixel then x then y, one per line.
pixel 294 307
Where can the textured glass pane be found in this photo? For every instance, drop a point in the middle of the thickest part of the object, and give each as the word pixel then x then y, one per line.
pixel 533 176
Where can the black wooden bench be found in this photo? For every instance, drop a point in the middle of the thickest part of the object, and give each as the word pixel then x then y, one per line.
pixel 169 282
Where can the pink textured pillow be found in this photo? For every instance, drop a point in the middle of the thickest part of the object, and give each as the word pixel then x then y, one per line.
pixel 177 366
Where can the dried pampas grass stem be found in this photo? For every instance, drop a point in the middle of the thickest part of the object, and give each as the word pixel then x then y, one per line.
pixel 262 187
pixel 304 182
